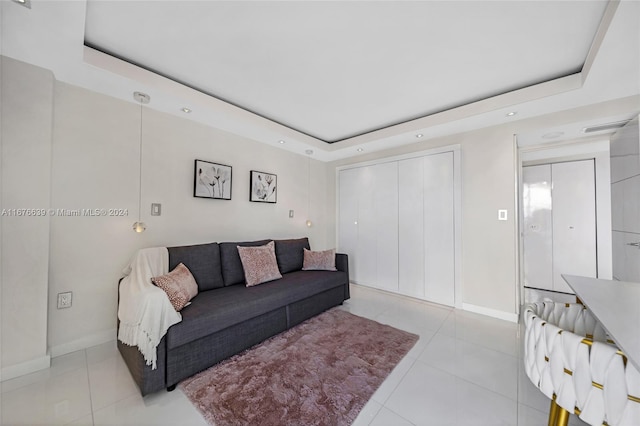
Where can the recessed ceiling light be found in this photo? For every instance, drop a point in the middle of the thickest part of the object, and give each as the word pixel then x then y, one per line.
pixel 419 135
pixel 552 135
pixel 186 110
pixel 511 114
pixel 281 141
pixel 360 149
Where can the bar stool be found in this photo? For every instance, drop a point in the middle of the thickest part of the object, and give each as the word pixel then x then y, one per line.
pixel 569 358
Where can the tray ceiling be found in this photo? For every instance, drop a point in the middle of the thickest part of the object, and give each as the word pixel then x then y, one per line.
pixel 335 70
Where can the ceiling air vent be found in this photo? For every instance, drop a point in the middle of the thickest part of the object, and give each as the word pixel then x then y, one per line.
pixel 604 127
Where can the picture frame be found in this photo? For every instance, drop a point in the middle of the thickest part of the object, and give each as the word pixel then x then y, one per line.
pixel 212 180
pixel 263 187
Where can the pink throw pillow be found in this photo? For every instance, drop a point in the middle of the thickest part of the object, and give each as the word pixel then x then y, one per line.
pixel 319 260
pixel 259 264
pixel 179 285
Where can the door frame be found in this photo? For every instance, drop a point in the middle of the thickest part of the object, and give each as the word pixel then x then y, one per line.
pixel 597 149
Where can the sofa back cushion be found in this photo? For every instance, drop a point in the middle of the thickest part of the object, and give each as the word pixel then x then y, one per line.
pixel 203 260
pixel 232 271
pixel 290 254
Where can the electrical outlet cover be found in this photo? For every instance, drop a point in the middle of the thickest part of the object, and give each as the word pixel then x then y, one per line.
pixel 64 300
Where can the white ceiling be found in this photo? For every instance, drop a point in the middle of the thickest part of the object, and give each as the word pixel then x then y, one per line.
pixel 314 72
pixel 335 70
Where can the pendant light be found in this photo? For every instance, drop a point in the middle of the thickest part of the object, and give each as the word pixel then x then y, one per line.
pixel 139 226
pixel 309 153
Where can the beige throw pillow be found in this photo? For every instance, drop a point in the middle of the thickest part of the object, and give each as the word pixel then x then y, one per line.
pixel 259 264
pixel 179 285
pixel 319 260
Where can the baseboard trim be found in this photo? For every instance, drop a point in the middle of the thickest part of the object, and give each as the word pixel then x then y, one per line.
pixel 28 367
pixel 83 343
pixel 507 316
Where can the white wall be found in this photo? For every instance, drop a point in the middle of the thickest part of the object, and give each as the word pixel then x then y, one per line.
pixel 27 108
pixel 488 245
pixel 489 182
pixel 95 165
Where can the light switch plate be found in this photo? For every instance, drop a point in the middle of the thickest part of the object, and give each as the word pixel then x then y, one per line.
pixel 156 209
pixel 290 213
pixel 502 215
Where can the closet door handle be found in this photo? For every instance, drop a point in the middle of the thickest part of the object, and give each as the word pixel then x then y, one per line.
pixel 634 244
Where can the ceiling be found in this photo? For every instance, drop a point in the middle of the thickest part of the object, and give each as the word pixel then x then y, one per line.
pixel 334 70
pixel 338 77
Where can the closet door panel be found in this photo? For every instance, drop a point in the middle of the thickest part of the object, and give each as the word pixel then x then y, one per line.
pixel 537 227
pixel 574 231
pixel 439 271
pixel 385 202
pixel 366 258
pixel 411 256
pixel 348 216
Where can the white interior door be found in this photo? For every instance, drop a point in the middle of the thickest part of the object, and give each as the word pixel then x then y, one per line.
pixel 366 251
pixel 385 201
pixel 397 223
pixel 439 231
pixel 348 216
pixel 574 221
pixel 411 227
pixel 538 226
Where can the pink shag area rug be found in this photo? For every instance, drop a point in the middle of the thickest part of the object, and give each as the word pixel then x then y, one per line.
pixel 320 372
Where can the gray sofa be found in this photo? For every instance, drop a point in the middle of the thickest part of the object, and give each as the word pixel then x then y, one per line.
pixel 227 317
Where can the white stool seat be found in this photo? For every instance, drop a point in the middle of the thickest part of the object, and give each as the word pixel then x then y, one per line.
pixel 568 357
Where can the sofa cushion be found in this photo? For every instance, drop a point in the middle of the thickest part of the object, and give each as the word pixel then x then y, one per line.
pixel 232 272
pixel 203 260
pixel 259 264
pixel 216 310
pixel 290 254
pixel 319 260
pixel 179 285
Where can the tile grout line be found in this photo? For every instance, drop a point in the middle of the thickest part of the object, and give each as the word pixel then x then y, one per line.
pixel 466 380
pixel 86 363
pixel 402 417
pixel 405 373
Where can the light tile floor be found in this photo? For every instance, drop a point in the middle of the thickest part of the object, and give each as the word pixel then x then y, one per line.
pixel 466 369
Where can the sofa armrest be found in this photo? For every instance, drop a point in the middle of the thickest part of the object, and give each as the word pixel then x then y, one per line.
pixel 342 264
pixel 147 379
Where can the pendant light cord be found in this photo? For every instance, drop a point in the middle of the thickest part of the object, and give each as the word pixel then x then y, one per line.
pixel 140 170
pixel 308 186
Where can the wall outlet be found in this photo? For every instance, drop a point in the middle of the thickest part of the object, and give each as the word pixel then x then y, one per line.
pixel 64 300
pixel 502 215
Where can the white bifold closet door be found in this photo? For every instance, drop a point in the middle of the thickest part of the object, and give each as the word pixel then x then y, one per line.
pixel 426 228
pixel 396 223
pixel 368 223
pixel 559 208
pixel 574 221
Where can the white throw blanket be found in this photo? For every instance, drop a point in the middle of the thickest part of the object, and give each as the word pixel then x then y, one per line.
pixel 144 311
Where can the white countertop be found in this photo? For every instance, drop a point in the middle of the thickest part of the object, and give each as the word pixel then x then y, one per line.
pixel 616 304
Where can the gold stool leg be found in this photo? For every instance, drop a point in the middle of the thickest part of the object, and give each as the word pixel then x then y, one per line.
pixel 553 412
pixel 562 417
pixel 558 416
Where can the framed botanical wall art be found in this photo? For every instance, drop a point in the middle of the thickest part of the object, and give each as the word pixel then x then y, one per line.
pixel 212 180
pixel 262 187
